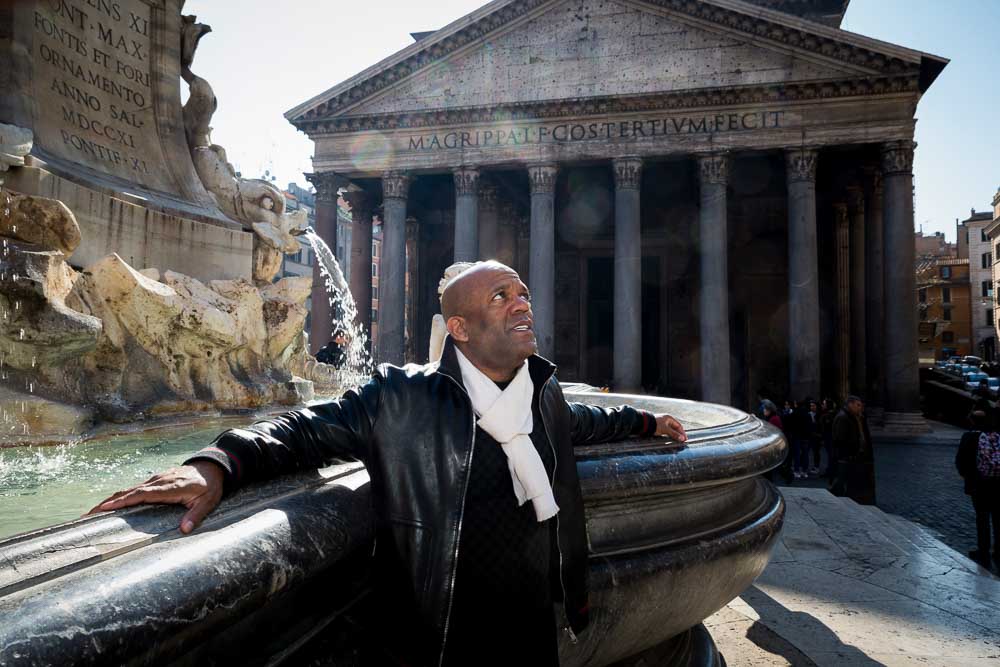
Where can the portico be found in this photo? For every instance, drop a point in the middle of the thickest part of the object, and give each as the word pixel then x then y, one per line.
pixel 669 193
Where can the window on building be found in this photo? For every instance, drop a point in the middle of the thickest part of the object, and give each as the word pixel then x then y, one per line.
pixel 923 313
pixel 922 295
pixel 987 260
pixel 375 292
pixel 986 288
pixel 947 336
pixel 946 314
pixel 989 314
pixel 946 294
pixel 982 235
pixel 946 272
pixel 997 247
pixel 374 270
pixel 374 249
pixel 374 315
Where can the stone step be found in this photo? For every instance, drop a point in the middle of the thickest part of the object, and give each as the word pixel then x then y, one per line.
pixel 929 541
pixel 923 539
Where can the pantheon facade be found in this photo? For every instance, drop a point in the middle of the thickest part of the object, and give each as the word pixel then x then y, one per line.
pixel 707 198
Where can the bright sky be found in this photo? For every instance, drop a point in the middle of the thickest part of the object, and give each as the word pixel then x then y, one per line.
pixel 312 45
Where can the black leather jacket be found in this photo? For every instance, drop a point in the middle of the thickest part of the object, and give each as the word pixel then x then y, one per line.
pixel 414 428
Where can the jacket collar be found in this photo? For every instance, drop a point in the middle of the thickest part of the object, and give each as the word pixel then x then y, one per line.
pixel 539 368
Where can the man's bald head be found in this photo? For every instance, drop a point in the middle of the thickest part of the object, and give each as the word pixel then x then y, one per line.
pixel 461 290
pixel 487 310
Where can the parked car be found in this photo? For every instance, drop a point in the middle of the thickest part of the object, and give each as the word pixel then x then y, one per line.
pixel 994 384
pixel 972 360
pixel 972 380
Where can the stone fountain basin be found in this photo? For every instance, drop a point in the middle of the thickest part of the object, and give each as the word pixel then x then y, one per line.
pixel 675 532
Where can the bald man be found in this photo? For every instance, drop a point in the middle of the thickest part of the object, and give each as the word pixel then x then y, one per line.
pixel 479 514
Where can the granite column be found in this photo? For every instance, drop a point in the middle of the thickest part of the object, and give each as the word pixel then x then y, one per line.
pixel 360 280
pixel 392 280
pixel 488 222
pixel 874 296
pixel 627 376
pixel 321 309
pixel 902 373
pixel 842 235
pixel 856 213
pixel 803 274
pixel 542 259
pixel 714 294
pixel 466 214
pixel 412 281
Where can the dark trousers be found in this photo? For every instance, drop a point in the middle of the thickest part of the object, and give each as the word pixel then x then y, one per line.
pixel 800 454
pixel 987 507
pixel 816 444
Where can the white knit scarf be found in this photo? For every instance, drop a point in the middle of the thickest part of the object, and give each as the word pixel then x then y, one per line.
pixel 506 416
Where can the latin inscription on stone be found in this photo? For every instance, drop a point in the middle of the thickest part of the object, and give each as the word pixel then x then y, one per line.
pixel 635 129
pixel 94 89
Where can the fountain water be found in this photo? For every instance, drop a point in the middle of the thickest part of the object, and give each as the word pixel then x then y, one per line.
pixel 359 365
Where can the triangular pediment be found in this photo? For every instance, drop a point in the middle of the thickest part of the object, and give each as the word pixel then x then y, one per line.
pixel 512 53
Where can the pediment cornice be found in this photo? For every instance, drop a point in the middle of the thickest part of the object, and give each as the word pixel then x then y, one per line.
pixel 857 55
pixel 605 106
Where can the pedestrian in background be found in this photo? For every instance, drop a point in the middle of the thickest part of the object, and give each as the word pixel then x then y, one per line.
pixel 797 427
pixel 771 415
pixel 815 426
pixel 829 412
pixel 978 462
pixel 852 446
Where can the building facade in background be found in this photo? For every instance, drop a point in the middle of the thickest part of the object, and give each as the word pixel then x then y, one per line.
pixel 706 198
pixel 993 234
pixel 944 305
pixel 974 244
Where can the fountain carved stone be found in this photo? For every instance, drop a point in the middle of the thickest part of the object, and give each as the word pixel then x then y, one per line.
pixel 100 323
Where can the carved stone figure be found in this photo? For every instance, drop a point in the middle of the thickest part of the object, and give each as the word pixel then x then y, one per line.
pixel 253 202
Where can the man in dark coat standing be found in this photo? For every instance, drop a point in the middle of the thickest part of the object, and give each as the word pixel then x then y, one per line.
pixel 478 505
pixel 852 447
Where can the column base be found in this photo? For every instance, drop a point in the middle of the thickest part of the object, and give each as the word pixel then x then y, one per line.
pixel 876 415
pixel 905 423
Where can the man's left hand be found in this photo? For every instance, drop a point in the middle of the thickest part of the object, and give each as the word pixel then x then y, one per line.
pixel 670 427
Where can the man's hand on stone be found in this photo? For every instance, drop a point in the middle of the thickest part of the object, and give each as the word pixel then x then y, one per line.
pixel 197 486
pixel 670 427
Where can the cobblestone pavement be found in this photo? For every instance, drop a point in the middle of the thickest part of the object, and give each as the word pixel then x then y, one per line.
pixel 915 478
pixel 918 481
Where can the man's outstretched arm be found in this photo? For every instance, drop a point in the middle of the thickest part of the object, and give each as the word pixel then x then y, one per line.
pixel 299 440
pixel 591 425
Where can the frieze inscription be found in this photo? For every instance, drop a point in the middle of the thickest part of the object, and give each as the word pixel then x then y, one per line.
pixel 556 133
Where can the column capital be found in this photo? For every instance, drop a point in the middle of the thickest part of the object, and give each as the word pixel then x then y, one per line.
pixel 543 177
pixel 362 205
pixel 466 180
pixel 897 157
pixel 628 172
pixel 327 184
pixel 487 197
pixel 856 198
pixel 395 185
pixel 713 168
pixel 801 164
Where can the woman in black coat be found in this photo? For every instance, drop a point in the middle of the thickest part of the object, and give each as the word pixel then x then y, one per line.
pixel 982 480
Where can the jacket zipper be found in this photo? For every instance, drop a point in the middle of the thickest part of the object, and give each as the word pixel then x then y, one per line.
pixel 461 515
pixel 552 482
